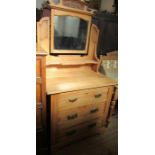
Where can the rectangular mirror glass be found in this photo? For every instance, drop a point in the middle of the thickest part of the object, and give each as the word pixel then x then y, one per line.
pixel 70 33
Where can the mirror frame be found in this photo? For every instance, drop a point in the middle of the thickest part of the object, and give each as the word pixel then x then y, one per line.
pixel 74 14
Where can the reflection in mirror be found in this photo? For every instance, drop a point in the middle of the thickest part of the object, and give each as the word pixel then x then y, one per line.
pixel 56 1
pixel 70 33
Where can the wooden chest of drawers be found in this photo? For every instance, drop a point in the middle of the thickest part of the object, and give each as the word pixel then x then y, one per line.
pixel 41 142
pixel 78 95
pixel 78 114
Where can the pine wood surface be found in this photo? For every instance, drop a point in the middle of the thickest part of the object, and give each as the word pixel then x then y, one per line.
pixel 81 128
pixel 105 143
pixel 57 12
pixel 40 51
pixel 71 62
pixel 43 34
pixel 70 83
pixel 76 10
pixel 79 115
pixel 81 100
pixel 41 143
pixel 69 77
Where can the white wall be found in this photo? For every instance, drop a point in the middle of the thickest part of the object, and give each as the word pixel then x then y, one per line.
pixel 107 5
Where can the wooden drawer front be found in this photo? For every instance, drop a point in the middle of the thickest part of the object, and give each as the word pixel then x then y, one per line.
pixel 88 127
pixel 38 67
pixel 79 115
pixel 73 99
pixel 99 94
pixel 80 98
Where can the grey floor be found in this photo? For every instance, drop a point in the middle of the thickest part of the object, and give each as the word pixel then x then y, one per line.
pixel 103 144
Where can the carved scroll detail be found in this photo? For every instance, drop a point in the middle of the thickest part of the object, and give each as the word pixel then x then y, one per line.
pixel 77 4
pixel 93 45
pixel 43 34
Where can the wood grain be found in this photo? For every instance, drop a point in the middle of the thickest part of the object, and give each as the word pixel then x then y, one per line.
pixel 43 28
pixel 41 142
pixel 64 84
pixel 56 12
pixel 79 95
pixel 79 115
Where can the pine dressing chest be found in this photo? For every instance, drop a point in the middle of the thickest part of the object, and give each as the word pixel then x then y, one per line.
pixel 78 96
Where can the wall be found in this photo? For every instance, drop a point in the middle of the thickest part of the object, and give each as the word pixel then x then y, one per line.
pixel 107 5
pixel 38 3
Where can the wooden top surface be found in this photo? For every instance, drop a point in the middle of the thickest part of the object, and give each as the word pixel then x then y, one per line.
pixel 71 62
pixel 57 85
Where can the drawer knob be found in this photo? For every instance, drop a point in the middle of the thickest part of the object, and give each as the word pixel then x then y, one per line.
pixel 92 125
pixel 72 132
pixel 97 95
pixel 70 117
pixel 93 110
pixel 72 100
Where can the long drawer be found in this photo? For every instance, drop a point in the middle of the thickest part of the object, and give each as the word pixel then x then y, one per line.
pixel 79 115
pixel 80 98
pixel 85 128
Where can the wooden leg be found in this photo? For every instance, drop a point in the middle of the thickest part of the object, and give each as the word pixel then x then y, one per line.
pixel 111 110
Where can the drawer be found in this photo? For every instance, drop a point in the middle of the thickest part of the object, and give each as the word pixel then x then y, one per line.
pixel 79 115
pixel 99 95
pixel 73 99
pixel 84 128
pixel 80 98
pixel 38 67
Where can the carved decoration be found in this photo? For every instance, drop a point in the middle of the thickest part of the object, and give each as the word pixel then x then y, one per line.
pixel 77 4
pixel 43 34
pixel 74 4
